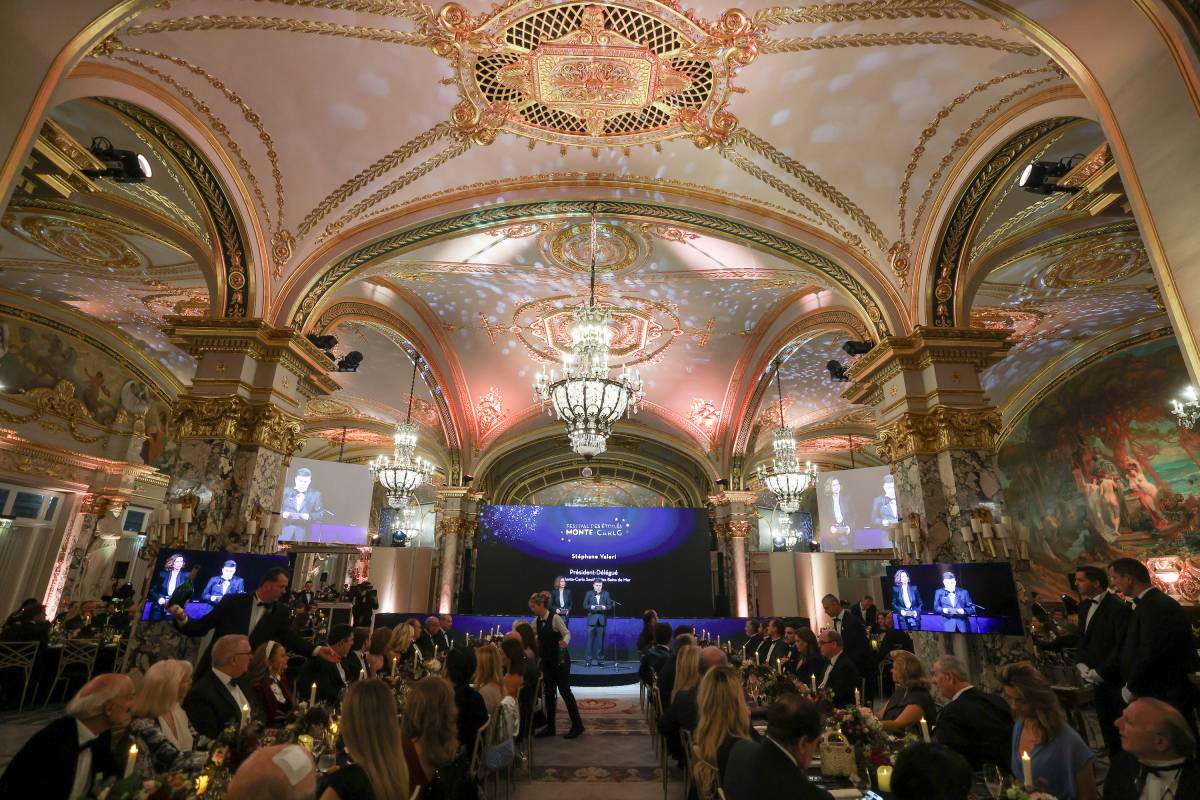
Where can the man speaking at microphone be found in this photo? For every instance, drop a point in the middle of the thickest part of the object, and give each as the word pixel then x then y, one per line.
pixel 597 604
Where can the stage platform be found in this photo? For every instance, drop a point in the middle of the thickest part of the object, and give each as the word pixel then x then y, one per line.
pixel 613 673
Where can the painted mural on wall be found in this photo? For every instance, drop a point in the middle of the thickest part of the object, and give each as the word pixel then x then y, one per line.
pixel 1100 469
pixel 33 356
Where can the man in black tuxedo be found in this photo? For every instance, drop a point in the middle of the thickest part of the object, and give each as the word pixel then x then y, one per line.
pixel 1159 758
pixel 226 583
pixel 63 759
pixel 753 640
pixel 307 595
pixel 867 613
pixel 954 604
pixel 598 605
pixel 433 639
pixel 657 654
pixel 221 697
pixel 355 662
pixel 773 647
pixel 330 679
pixel 774 768
pixel 841 674
pixel 454 637
pixel 302 506
pixel 975 724
pixel 1159 651
pixel 1103 619
pixel 560 598
pixel 854 639
pixel 259 616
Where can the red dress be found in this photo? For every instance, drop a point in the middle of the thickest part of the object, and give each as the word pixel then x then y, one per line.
pixel 275 697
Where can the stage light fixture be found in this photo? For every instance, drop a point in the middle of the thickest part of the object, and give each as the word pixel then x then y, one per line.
pixel 122 166
pixel 837 371
pixel 349 362
pixel 1041 177
pixel 326 342
pixel 857 348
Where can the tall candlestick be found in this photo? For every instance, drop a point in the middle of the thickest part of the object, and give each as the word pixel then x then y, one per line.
pixel 1026 769
pixel 312 694
pixel 246 713
pixel 857 697
pixel 395 660
pixel 813 679
pixel 129 765
pixel 924 730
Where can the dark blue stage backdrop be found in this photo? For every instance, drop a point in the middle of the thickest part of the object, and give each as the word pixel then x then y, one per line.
pixel 647 557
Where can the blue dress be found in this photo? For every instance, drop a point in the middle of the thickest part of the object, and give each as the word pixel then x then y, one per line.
pixel 1056 762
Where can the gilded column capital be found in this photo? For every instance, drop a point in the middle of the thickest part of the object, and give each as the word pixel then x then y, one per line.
pixel 943 428
pixel 737 529
pixel 233 419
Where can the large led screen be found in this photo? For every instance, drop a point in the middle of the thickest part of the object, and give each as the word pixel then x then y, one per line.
pixel 646 557
pixel 219 575
pixel 953 598
pixel 324 501
pixel 854 506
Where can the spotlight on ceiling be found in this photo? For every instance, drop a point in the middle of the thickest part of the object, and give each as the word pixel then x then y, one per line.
pixel 1041 177
pixel 856 348
pixel 349 362
pixel 837 371
pixel 122 166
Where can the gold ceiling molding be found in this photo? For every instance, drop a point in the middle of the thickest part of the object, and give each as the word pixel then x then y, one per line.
pixel 59 401
pixel 92 245
pixel 18 454
pixel 1019 222
pixel 281 240
pixel 866 10
pixel 1096 263
pixel 147 195
pixel 617 248
pixel 193 220
pixel 94 218
pixel 932 128
pixel 800 44
pixel 944 428
pixel 1112 231
pixel 404 9
pixel 371 173
pixel 237 23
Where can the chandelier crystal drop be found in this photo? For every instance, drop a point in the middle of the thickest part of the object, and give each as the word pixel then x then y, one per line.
pixel 586 398
pixel 404 471
pixel 1187 410
pixel 785 478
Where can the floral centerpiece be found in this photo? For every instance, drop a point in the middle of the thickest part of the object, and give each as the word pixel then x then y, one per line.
pixel 173 786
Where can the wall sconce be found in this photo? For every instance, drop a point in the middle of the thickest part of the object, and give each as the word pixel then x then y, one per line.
pixel 914 531
pixel 6 523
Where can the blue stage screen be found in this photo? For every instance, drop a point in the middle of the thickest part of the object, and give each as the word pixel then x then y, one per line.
pixel 647 557
pixel 984 598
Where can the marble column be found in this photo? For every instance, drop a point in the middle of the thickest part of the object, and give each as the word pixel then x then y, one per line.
pixel 456 514
pixel 733 520
pixel 240 421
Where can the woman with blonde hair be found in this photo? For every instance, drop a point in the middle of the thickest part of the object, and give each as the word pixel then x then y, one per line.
pixel 402 643
pixel 166 740
pixel 1061 760
pixel 429 729
pixel 371 733
pixel 487 677
pixel 687 669
pixel 267 667
pixel 911 701
pixel 724 721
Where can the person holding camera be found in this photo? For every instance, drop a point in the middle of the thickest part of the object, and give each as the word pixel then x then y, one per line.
pixel 366 602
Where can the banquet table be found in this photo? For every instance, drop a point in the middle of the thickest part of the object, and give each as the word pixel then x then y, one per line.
pixel 41 680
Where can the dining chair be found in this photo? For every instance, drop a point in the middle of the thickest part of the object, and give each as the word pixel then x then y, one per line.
pixel 74 654
pixel 477 752
pixel 685 738
pixel 527 730
pixel 19 655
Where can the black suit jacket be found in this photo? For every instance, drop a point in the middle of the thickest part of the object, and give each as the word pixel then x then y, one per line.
pixel 751 646
pixel 844 678
pixel 978 726
pixel 770 650
pixel 1123 781
pixel 354 664
pixel 684 714
pixel 870 619
pixel 1159 651
pixel 666 679
pixel 210 707
pixel 232 615
pixel 914 598
pixel 652 662
pixel 1100 642
pixel 761 771
pixel 565 606
pixel 854 642
pixel 895 639
pixel 327 678
pixel 45 767
pixel 595 614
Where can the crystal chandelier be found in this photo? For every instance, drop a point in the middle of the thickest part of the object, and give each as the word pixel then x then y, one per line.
pixel 1187 411
pixel 785 478
pixel 404 472
pixel 586 398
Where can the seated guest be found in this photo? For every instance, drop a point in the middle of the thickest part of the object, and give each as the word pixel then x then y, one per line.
pixel 487 678
pixel 666 676
pixel 893 637
pixel 973 723
pixel 280 772
pixel 682 716
pixel 528 638
pixel 1159 758
pixel 753 640
pixel 805 661
pixel 472 713
pixel 724 720
pixel 646 637
pixel 63 759
pixel 268 678
pixel 505 725
pixel 912 700
pixel 27 624
pixel 303 619
pixel 355 662
pixel 329 678
pixel 217 700
pixel 403 646
pixel 773 648
pixel 773 769
pixel 1062 761
pixel 166 741
pixel 115 618
pixel 512 658
pixel 929 771
pixel 371 733
pixel 656 654
pixel 841 675
pixel 379 653
pixel 84 625
pixel 428 730
pixel 432 639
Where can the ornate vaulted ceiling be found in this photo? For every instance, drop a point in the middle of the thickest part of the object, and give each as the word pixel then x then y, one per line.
pixel 765 181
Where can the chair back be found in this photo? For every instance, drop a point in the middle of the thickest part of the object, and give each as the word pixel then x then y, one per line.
pixel 720 793
pixel 81 653
pixel 18 655
pixel 481 737
pixel 705 777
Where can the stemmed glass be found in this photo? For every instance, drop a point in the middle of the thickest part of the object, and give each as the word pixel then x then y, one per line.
pixel 993 779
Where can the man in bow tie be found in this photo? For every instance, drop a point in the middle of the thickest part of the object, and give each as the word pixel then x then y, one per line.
pixel 302 505
pixel 259 616
pixel 1159 762
pixel 226 583
pixel 1103 618
pixel 598 605
pixel 954 604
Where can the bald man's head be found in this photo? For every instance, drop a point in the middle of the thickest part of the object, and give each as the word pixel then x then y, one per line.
pixel 280 772
pixel 711 657
pixel 103 702
pixel 1152 730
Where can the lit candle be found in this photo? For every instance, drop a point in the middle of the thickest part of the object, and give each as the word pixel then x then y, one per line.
pixel 813 679
pixel 1026 769
pixel 416 659
pixel 481 633
pixel 779 666
pixel 201 785
pixel 718 641
pixel 305 741
pixel 884 777
pixel 362 673
pixel 857 697
pixel 129 765
pixel 245 714
pixel 394 660
pixel 924 730
pixel 312 694
pixel 757 659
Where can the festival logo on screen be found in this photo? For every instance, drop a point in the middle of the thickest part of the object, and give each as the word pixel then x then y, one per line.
pixel 587 534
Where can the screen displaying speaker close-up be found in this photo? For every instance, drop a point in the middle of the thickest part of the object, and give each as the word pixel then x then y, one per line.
pixel 853 506
pixel 220 574
pixel 954 598
pixel 325 501
pixel 646 557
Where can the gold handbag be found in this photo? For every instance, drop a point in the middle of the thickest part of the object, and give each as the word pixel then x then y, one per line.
pixel 837 756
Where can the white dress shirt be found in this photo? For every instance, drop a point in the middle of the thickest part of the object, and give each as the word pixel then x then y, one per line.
pixel 83 765
pixel 1092 609
pixel 829 670
pixel 1165 784
pixel 234 690
pixel 172 582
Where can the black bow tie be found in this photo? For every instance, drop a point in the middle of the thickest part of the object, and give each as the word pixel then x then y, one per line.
pixel 265 605
pixel 1160 770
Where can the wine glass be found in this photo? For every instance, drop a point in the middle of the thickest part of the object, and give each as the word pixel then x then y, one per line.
pixel 993 779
